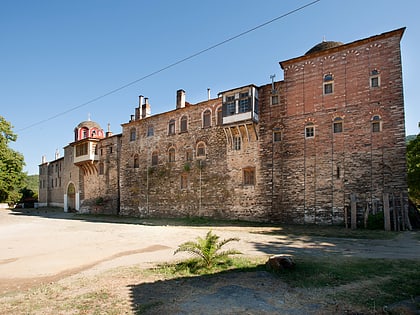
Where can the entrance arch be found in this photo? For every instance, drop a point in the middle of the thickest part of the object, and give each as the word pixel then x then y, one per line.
pixel 71 197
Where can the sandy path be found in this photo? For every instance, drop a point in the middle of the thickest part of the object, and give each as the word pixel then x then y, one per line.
pixel 47 247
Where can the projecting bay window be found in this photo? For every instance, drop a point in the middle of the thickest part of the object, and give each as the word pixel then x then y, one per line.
pixel 240 105
pixel 82 149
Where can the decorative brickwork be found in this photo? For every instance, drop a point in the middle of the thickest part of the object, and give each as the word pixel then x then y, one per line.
pixel 297 151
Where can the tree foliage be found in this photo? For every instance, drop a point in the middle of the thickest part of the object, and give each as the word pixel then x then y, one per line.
pixel 208 248
pixel 11 165
pixel 413 169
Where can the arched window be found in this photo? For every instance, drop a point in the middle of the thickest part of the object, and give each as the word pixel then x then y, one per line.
pixel 85 133
pixel 376 123
pixel 188 155
pixel 132 134
pixel 136 161
pixel 171 127
pixel 155 158
pixel 207 118
pixel 201 149
pixel 338 125
pixel 184 124
pixel 248 176
pixel 150 131
pixel 236 143
pixel 328 84
pixel 309 130
pixel 101 168
pixel 171 155
pixel 375 79
pixel 219 116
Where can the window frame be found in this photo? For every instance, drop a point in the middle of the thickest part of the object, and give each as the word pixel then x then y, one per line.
pixel 171 155
pixel 150 131
pixel 184 181
pixel 183 124
pixel 277 136
pixel 155 158
pixel 171 127
pixel 206 116
pixel 248 176
pixel 328 84
pixel 309 131
pixel 376 124
pixel 201 150
pixel 375 77
pixel 133 134
pixel 236 143
pixel 338 125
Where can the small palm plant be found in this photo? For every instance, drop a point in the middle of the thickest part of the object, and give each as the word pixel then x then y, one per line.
pixel 208 248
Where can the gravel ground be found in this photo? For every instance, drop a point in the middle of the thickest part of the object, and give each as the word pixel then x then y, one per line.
pixel 47 246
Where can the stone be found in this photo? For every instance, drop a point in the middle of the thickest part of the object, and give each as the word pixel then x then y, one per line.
pixel 280 262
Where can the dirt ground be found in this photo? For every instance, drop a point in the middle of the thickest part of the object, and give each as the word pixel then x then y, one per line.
pixel 46 246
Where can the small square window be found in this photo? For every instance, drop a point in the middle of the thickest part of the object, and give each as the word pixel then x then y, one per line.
pixel 249 176
pixel 171 127
pixel 374 82
pixel 309 131
pixel 184 181
pixel 328 88
pixel 236 143
pixel 376 126
pixel 274 100
pixel 277 136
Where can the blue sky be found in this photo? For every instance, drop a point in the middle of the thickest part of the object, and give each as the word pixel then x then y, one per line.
pixel 56 56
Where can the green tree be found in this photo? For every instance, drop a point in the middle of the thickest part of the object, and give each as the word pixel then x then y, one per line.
pixel 208 248
pixel 11 165
pixel 413 169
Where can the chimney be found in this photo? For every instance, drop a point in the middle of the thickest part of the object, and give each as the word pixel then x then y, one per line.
pixel 138 109
pixel 109 132
pixel 43 159
pixel 208 93
pixel 57 154
pixel 180 99
pixel 145 108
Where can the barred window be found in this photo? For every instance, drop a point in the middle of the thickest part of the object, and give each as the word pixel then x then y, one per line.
pixel 338 125
pixel 207 118
pixel 184 123
pixel 248 176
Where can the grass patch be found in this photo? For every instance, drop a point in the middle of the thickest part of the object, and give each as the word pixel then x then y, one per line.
pixel 359 281
pixel 196 267
pixel 330 231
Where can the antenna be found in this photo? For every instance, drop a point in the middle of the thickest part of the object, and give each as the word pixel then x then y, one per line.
pixel 273 90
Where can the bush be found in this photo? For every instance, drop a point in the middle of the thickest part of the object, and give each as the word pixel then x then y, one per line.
pixel 376 221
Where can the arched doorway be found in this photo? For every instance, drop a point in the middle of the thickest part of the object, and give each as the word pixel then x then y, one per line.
pixel 71 197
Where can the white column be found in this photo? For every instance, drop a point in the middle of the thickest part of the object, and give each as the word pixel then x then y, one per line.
pixel 77 201
pixel 66 206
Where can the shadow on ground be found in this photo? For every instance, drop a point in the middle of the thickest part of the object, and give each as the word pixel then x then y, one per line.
pixel 254 291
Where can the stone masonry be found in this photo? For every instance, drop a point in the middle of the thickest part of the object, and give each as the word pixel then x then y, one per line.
pixel 294 151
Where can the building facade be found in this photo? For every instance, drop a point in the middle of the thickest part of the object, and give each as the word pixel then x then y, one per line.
pixel 297 150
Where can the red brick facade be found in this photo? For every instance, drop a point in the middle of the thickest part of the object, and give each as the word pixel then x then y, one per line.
pixel 290 151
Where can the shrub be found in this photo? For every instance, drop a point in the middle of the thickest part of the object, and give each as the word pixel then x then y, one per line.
pixel 208 249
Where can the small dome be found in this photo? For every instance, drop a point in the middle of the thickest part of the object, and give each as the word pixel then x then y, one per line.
pixel 88 124
pixel 324 45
